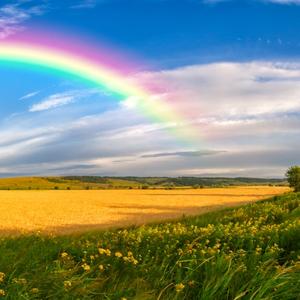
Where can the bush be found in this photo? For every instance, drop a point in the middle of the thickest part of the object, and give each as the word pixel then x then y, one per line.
pixel 293 177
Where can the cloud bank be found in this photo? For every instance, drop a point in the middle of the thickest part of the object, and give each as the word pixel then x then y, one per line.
pixel 246 116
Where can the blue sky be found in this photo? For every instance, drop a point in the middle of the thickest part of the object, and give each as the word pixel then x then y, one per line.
pixel 191 31
pixel 233 64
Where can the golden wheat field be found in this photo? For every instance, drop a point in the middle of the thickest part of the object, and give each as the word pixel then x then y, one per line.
pixel 75 211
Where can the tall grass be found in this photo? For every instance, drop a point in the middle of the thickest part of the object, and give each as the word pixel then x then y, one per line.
pixel 251 252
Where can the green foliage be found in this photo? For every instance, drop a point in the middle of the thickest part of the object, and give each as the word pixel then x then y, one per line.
pixel 91 179
pixel 201 181
pixel 293 177
pixel 250 253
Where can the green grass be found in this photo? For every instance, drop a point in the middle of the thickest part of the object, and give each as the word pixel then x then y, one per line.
pixel 251 252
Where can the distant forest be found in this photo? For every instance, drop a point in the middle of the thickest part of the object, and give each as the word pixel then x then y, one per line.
pixel 130 182
pixel 182 181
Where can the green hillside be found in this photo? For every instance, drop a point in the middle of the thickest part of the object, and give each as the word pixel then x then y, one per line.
pixel 97 182
pixel 248 253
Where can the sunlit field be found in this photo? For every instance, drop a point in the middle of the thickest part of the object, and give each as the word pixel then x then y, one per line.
pixel 76 211
pixel 251 252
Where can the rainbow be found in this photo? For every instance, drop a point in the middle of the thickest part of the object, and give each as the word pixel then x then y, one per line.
pixel 81 62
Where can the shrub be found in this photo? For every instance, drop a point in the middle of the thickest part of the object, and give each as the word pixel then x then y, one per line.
pixel 293 177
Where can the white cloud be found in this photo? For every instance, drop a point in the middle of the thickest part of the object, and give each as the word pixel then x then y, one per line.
pixel 53 101
pixel 231 91
pixel 245 114
pixel 29 95
pixel 13 15
pixel 61 99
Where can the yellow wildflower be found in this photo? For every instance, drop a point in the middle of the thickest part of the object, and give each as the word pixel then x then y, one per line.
pixel 104 251
pixel 64 255
pixel 118 254
pixel 101 251
pixel 86 267
pixel 2 293
pixel 101 267
pixel 67 284
pixel 258 250
pixel 2 276
pixel 34 290
pixel 179 287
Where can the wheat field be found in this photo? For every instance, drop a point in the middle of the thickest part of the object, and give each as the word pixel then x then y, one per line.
pixel 62 212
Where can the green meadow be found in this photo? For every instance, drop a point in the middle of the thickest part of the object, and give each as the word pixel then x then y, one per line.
pixel 250 252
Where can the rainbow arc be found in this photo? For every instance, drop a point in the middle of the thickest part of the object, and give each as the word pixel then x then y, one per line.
pixel 92 71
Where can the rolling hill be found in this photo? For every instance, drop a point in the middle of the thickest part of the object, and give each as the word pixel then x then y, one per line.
pixel 97 182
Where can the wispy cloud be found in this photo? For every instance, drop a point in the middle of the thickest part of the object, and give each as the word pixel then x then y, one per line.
pixel 214 1
pixel 13 15
pixel 29 95
pixel 53 101
pixel 182 153
pixel 284 2
pixel 61 99
pixel 85 4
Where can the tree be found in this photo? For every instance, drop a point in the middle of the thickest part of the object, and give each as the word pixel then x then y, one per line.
pixel 293 177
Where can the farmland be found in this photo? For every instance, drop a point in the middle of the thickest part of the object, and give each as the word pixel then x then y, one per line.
pixel 69 211
pixel 251 252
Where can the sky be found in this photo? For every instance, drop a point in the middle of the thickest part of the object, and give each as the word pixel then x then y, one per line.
pixel 231 69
